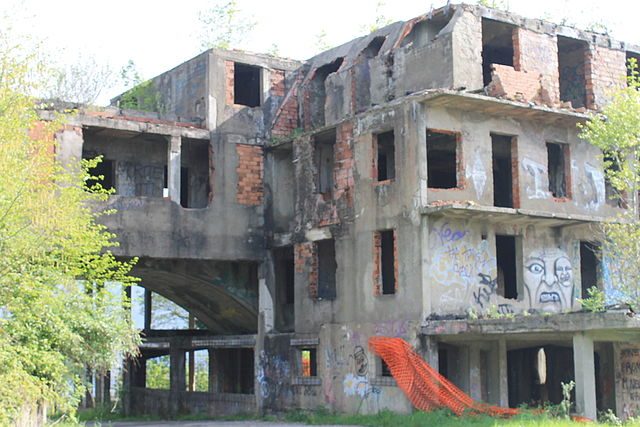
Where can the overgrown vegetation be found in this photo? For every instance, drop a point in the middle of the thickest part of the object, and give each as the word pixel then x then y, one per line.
pixel 62 309
pixel 616 131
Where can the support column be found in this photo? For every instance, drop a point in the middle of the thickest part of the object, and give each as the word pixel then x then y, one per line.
pixel 177 377
pixel 503 379
pixel 430 351
pixel 258 350
pixel 475 373
pixel 173 168
pixel 585 375
pixel 213 371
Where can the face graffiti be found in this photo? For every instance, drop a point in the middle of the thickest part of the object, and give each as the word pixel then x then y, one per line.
pixel 548 279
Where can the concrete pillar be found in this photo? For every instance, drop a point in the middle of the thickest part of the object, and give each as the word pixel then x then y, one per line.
pixel 497 384
pixel 173 168
pixel 503 379
pixel 475 373
pixel 258 349
pixel 430 351
pixel 213 371
pixel 585 375
pixel 177 377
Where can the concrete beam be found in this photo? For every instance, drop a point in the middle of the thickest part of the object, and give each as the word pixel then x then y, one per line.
pixel 173 167
pixel 585 375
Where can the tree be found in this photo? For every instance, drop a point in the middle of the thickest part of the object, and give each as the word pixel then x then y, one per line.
pixel 381 19
pixel 616 131
pixel 223 25
pixel 81 81
pixel 59 313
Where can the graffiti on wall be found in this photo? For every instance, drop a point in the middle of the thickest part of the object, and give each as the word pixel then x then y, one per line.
pixel 456 263
pixel 629 380
pixel 548 280
pixel 464 270
pixel 273 376
pixel 535 187
pixel 593 188
pixel 477 173
pixel 356 383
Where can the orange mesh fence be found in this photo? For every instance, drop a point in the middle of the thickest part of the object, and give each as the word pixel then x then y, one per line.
pixel 425 387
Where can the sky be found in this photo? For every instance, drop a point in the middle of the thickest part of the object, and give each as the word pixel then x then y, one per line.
pixel 159 34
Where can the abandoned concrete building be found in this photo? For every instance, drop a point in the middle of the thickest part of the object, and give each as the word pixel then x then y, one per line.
pixel 425 181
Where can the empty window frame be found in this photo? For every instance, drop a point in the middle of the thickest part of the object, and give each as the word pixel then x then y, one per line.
pixel 505 170
pixel 194 174
pixel 234 368
pixel 308 362
pixel 613 196
pixel 327 266
pixel 443 153
pixel 385 271
pixel 319 90
pixel 284 273
pixel 558 168
pixel 590 255
pixel 507 280
pixel 384 156
pixel 106 170
pixel 324 144
pixel 497 46
pixel 384 369
pixel 572 56
pixel 247 88
pixel 424 32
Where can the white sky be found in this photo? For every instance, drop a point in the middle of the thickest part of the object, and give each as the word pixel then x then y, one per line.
pixel 160 34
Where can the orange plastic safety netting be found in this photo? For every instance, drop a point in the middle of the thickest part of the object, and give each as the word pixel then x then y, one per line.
pixel 424 386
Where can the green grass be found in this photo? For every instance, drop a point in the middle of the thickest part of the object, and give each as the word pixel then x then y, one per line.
pixel 440 418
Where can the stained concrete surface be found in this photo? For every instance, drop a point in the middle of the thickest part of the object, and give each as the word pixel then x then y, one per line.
pixel 249 423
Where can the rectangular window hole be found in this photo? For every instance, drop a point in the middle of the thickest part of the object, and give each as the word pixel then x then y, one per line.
pixel 507 279
pixel 497 46
pixel 308 362
pixel 502 163
pixel 387 262
pixel 590 255
pixel 572 56
pixel 246 85
pixel 385 159
pixel 324 161
pixel 442 159
pixel 558 162
pixel 327 266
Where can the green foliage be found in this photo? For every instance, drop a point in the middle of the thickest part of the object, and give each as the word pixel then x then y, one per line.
pixel 495 4
pixel 142 95
pixel 158 373
pixel 223 25
pixel 381 20
pixel 616 131
pixel 595 302
pixel 52 325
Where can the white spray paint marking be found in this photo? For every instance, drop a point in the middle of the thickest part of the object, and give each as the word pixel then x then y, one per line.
pixel 536 171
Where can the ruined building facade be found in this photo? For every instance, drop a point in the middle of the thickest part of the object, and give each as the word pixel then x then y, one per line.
pixel 426 181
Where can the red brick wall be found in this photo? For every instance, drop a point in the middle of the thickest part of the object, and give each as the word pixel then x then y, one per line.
pixel 534 75
pixel 287 117
pixel 229 67
pixel 306 262
pixel 377 261
pixel 250 174
pixel 605 70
